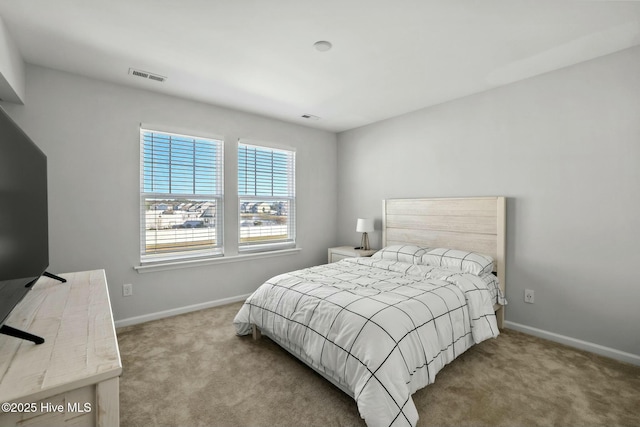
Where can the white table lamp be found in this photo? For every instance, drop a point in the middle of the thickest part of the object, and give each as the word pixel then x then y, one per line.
pixel 364 226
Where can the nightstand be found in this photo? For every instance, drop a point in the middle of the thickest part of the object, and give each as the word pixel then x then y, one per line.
pixel 340 252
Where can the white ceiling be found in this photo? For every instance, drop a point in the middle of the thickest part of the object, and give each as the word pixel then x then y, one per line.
pixel 389 57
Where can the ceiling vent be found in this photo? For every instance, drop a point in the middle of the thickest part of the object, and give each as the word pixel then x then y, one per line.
pixel 310 117
pixel 147 75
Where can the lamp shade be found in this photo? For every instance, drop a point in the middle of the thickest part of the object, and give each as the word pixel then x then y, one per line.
pixel 364 225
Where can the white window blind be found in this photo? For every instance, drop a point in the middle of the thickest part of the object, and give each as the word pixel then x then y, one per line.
pixel 181 196
pixel 267 195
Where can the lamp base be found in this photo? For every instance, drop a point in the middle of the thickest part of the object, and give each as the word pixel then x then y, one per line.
pixel 364 242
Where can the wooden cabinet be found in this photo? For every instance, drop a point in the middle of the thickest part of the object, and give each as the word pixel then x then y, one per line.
pixel 73 377
pixel 340 252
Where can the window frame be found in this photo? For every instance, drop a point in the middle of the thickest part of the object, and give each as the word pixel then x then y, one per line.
pixel 216 195
pixel 290 197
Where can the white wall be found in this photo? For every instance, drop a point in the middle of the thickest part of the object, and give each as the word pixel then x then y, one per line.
pixel 90 133
pixel 12 68
pixel 564 147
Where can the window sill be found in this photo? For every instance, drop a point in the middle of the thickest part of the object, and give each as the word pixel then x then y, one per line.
pixel 172 265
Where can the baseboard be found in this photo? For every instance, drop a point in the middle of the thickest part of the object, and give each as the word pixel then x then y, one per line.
pixel 573 342
pixel 180 310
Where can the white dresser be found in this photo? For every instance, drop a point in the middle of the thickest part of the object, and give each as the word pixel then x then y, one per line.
pixel 73 377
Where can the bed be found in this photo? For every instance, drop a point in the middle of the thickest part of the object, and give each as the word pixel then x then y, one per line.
pixel 382 327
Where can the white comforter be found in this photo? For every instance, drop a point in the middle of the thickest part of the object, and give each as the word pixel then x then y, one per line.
pixel 382 328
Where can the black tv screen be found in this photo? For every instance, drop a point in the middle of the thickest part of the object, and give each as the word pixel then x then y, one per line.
pixel 24 241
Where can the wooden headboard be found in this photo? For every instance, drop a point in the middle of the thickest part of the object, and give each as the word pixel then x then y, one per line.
pixel 469 223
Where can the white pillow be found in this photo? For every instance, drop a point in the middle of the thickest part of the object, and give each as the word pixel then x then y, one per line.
pixel 469 262
pixel 403 253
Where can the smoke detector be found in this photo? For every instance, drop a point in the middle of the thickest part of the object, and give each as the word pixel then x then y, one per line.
pixel 322 45
pixel 147 75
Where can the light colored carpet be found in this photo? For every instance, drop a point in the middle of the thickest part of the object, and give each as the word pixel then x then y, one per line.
pixel 192 370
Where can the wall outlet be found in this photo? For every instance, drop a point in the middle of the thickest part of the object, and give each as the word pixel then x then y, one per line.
pixel 529 296
pixel 127 290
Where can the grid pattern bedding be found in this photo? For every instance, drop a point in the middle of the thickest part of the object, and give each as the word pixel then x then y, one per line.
pixel 381 328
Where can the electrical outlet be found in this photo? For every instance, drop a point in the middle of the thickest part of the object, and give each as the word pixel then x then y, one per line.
pixel 127 290
pixel 529 296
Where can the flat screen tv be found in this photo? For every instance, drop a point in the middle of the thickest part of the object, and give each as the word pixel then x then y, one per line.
pixel 24 239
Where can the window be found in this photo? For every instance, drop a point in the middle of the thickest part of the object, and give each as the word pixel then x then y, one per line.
pixel 181 196
pixel 266 193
